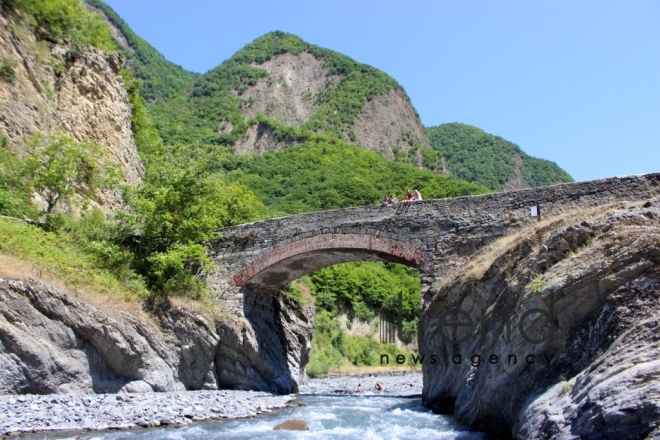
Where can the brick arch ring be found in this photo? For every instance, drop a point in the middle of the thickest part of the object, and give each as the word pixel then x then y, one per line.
pixel 394 250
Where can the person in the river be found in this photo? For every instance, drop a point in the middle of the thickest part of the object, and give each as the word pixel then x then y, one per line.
pixel 359 388
pixel 379 386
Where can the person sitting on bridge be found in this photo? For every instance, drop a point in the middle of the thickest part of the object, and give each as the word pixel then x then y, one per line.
pixel 386 200
pixel 408 196
pixel 418 196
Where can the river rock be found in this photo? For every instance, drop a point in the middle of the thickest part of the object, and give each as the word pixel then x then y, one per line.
pixel 293 425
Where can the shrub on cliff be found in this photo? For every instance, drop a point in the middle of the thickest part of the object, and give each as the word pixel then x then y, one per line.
pixel 66 21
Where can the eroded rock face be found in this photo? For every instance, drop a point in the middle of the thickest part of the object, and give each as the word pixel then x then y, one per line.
pixel 53 343
pixel 28 103
pixel 259 139
pixel 267 347
pixel 389 121
pixel 86 101
pixel 93 104
pixel 597 376
pixel 290 94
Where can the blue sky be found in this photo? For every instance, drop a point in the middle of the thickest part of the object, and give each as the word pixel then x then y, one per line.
pixel 575 82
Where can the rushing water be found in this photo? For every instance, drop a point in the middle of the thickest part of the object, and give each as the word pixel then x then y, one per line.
pixel 329 417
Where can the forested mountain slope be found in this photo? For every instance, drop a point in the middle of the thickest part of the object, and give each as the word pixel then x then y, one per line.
pixel 280 90
pixel 489 160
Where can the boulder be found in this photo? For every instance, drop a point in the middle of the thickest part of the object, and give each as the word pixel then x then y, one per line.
pixel 292 425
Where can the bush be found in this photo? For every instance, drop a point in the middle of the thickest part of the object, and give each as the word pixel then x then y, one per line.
pixel 7 72
pixel 69 21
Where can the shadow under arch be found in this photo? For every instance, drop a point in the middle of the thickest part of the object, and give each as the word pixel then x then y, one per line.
pixel 269 273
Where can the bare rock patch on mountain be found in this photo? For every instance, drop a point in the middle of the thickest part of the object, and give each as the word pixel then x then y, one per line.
pixel 386 122
pixel 289 92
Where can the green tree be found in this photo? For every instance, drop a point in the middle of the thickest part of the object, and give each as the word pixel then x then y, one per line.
pixel 57 167
pixel 14 200
pixel 177 209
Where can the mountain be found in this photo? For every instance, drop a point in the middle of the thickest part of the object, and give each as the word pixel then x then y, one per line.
pixel 489 160
pixel 280 90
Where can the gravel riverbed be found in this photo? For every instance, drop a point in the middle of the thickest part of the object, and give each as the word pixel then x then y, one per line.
pixel 93 412
pixel 395 383
pixel 57 412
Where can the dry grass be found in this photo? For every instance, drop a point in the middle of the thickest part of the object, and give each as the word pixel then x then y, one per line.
pixel 209 309
pixel 108 301
pixel 477 264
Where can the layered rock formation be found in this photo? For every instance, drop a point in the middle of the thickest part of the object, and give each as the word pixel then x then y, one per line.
pixel 51 342
pixel 84 100
pixel 587 365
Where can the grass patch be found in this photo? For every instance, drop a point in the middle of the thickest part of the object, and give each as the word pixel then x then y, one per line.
pixel 55 255
pixel 7 73
pixel 536 285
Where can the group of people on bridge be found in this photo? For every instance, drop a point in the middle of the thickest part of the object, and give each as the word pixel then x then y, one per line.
pixel 390 200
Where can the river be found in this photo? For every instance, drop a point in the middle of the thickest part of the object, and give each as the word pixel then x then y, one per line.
pixel 329 417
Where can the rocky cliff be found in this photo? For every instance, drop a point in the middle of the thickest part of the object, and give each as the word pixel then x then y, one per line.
pixel 84 98
pixel 51 342
pixel 564 341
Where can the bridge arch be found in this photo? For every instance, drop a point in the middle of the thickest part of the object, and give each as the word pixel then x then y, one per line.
pixel 270 272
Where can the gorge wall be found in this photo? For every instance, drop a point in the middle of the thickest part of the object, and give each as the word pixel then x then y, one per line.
pixel 52 342
pixel 85 99
pixel 596 277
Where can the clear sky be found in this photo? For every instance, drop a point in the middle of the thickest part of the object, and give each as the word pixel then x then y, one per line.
pixel 575 82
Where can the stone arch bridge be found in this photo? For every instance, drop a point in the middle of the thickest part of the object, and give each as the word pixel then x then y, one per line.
pixel 254 261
